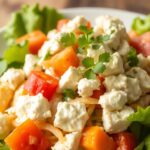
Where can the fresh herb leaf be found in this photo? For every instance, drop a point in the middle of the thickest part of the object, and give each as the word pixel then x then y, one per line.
pixel 3 146
pixel 88 62
pixel 132 58
pixel 46 56
pixel 3 66
pixel 95 46
pixel 16 53
pixel 68 39
pixel 84 41
pixel 86 30
pixel 105 57
pixel 102 38
pixel 89 74
pixel 99 68
pixel 15 65
pixel 68 93
pixel 80 50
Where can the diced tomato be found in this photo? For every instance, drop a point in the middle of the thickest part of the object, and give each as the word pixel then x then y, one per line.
pixel 27 137
pixel 35 39
pixel 102 89
pixel 125 141
pixel 88 25
pixel 141 43
pixel 39 82
pixel 61 23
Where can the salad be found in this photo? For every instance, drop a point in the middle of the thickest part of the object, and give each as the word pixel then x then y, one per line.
pixel 68 85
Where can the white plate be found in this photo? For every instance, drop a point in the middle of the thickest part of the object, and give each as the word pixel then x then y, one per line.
pixel 90 13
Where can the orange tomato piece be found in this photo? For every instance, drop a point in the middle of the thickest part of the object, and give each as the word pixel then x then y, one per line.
pixel 61 23
pixel 95 138
pixel 35 39
pixel 27 137
pixel 62 61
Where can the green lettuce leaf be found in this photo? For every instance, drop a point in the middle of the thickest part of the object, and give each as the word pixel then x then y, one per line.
pixel 30 18
pixel 3 146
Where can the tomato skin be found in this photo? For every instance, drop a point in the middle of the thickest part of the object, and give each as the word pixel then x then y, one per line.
pixel 39 82
pixel 141 43
pixel 101 91
pixel 27 136
pixel 35 39
pixel 125 141
pixel 61 23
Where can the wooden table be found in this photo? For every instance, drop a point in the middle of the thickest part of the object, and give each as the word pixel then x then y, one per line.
pixel 8 6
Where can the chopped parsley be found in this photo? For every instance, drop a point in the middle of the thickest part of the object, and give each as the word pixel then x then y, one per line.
pixel 132 58
pixel 68 39
pixel 105 57
pixel 84 41
pixel 85 30
pixel 102 38
pixel 95 46
pixel 89 74
pixel 99 68
pixel 88 62
pixel 68 93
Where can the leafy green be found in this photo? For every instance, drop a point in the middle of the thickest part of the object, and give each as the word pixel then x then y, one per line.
pixel 105 57
pixel 95 46
pixel 3 66
pixel 3 146
pixel 102 38
pixel 89 74
pixel 84 41
pixel 132 58
pixel 141 25
pixel 16 53
pixel 86 30
pixel 68 39
pixel 30 18
pixel 88 62
pixel 68 93
pixel 99 68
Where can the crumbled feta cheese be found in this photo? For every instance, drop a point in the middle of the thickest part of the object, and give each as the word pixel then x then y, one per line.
pixel 113 27
pixel 5 125
pixel 32 107
pixel 127 84
pixel 87 86
pixel 95 53
pixel 69 79
pixel 124 48
pixel 116 121
pixel 71 117
pixel 114 66
pixel 31 63
pixel 71 142
pixel 113 100
pixel 142 76
pixel 74 24
pixel 13 77
pixel 51 34
pixel 6 95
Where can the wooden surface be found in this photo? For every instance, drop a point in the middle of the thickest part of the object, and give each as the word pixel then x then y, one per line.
pixel 8 6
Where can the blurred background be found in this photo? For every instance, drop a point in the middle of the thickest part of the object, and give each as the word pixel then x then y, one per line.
pixel 8 6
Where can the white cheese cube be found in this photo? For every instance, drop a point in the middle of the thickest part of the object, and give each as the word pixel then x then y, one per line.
pixel 113 100
pixel 74 24
pixel 114 66
pixel 142 76
pixel 13 77
pixel 32 107
pixel 5 125
pixel 116 121
pixel 69 79
pixel 71 142
pixel 87 86
pixel 71 117
pixel 31 63
pixel 52 33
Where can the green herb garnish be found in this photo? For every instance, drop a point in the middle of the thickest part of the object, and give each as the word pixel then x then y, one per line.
pixel 95 46
pixel 68 93
pixel 88 62
pixel 86 30
pixel 102 38
pixel 105 57
pixel 99 68
pixel 89 74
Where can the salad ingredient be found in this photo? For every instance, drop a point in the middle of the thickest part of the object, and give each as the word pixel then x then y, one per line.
pixel 125 141
pixel 141 43
pixel 61 23
pixel 71 142
pixel 65 59
pixel 35 40
pixel 70 117
pixel 5 125
pixel 3 66
pixel 95 138
pixel 6 95
pixel 39 82
pixel 141 25
pixel 68 94
pixel 33 107
pixel 87 86
pixel 27 136
pixel 13 78
pixel 70 79
pixel 31 18
pixel 3 146
pixel 116 121
pixel 113 100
